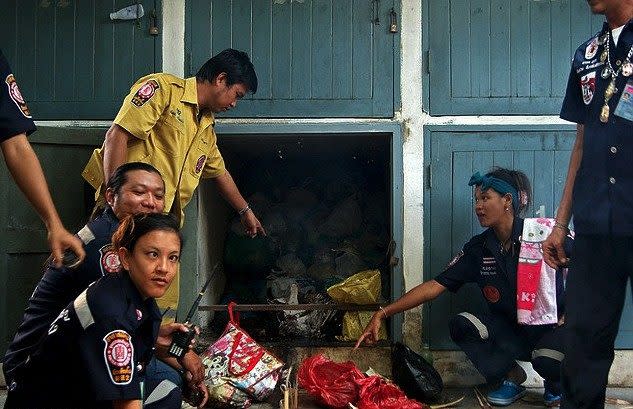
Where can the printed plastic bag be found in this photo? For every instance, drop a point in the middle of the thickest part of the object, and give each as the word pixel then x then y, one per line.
pixel 417 378
pixel 361 288
pixel 376 393
pixel 238 368
pixel 331 383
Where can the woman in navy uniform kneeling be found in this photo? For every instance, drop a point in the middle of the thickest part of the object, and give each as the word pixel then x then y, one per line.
pixel 493 341
pixel 95 352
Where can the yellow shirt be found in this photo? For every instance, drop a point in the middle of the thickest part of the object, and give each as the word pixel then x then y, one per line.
pixel 162 112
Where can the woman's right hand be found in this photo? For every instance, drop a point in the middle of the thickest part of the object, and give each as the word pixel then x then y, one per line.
pixel 370 335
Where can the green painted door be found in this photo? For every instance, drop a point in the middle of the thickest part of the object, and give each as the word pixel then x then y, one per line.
pixel 314 58
pixel 63 154
pixel 453 154
pixel 502 56
pixel 71 60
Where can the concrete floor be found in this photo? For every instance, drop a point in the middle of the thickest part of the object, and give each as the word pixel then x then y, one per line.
pixel 532 400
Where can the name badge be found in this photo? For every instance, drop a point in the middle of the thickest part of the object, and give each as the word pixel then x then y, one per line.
pixel 625 104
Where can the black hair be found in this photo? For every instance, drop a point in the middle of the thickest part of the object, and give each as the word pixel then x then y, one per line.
pixel 237 66
pixel 519 181
pixel 119 177
pixel 132 228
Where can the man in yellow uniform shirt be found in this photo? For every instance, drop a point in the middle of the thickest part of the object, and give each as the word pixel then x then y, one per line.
pixel 168 122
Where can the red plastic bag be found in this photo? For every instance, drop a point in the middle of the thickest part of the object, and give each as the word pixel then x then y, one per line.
pixel 332 384
pixel 376 393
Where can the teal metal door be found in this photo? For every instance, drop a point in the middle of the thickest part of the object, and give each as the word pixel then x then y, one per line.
pixel 502 56
pixel 314 58
pixel 454 153
pixel 71 61
pixel 63 154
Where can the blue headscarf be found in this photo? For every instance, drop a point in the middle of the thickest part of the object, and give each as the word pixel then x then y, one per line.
pixel 500 186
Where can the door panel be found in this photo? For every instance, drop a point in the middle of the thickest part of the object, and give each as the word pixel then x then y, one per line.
pixel 503 56
pixel 63 154
pixel 315 58
pixel 71 61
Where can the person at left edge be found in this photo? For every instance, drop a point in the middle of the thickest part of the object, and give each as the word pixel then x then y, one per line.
pixel 493 341
pixel 16 123
pixel 94 353
pixel 134 188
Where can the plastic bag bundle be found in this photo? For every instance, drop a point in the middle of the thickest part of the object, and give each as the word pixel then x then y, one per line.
pixel 417 378
pixel 361 288
pixel 376 393
pixel 331 383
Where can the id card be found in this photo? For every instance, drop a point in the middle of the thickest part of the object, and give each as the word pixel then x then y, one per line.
pixel 625 104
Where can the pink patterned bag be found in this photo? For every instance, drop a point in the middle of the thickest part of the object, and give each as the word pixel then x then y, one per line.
pixel 240 365
pixel 536 281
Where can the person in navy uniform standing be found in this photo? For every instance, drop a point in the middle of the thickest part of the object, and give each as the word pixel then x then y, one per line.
pixel 492 341
pixel 94 353
pixel 134 188
pixel 16 123
pixel 598 194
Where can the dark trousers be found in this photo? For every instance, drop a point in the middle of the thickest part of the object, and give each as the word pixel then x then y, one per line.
pixel 596 290
pixel 163 386
pixel 494 344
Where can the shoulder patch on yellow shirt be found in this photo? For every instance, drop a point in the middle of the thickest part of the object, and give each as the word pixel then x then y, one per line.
pixel 145 93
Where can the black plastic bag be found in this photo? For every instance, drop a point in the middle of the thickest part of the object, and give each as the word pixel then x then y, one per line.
pixel 414 375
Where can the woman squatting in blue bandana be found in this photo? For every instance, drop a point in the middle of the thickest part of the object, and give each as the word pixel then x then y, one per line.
pixel 493 341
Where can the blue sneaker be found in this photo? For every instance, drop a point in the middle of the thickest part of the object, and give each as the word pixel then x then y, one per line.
pixel 550 399
pixel 507 393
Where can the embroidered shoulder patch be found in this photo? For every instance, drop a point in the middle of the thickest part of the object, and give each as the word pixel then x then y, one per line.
pixel 119 356
pixel 16 95
pixel 591 49
pixel 588 87
pixel 145 93
pixel 110 262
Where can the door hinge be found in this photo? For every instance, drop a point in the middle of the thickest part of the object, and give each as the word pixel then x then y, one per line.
pixel 428 178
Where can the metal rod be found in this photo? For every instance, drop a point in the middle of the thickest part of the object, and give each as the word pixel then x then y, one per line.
pixel 293 307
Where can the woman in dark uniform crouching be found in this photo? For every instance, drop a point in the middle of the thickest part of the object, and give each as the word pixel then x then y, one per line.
pixel 95 352
pixel 493 341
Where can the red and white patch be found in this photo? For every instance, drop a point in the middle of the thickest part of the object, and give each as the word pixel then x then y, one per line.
pixel 145 93
pixel 200 163
pixel 119 356
pixel 588 87
pixel 139 315
pixel 591 49
pixel 110 262
pixel 491 293
pixel 16 95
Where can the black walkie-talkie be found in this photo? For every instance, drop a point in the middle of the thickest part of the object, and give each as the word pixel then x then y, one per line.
pixel 181 340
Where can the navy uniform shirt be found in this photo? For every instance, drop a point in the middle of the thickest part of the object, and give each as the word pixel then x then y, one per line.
pixel 481 261
pixel 602 199
pixel 59 286
pixel 94 352
pixel 15 117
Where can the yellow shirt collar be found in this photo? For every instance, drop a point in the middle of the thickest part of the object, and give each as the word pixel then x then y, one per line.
pixel 191 94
